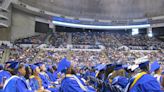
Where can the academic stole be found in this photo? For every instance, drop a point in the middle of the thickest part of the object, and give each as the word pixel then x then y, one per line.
pixel 78 81
pixel 137 78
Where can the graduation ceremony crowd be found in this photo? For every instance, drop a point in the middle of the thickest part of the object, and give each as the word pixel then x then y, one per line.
pixel 60 71
pixel 31 69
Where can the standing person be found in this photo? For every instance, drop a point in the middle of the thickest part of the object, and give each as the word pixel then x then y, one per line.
pixel 143 81
pixel 155 67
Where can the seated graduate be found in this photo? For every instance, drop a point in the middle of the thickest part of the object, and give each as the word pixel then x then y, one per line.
pixel 70 83
pixel 17 83
pixel 5 70
pixel 55 73
pixel 119 82
pixel 35 80
pixel 50 73
pixel 2 78
pixel 45 78
pixel 143 81
pixel 100 69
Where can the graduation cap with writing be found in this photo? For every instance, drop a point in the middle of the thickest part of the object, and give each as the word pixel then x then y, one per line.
pixel 133 67
pixel 154 66
pixel 63 65
pixel 143 64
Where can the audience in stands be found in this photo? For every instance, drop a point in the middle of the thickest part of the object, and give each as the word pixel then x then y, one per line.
pixel 38 39
pixel 59 39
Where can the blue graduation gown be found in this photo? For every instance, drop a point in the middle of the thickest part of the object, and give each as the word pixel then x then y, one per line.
pixel 34 84
pixel 46 83
pixel 93 74
pixel 16 84
pixel 70 85
pixel 146 83
pixel 51 76
pixel 86 75
pixel 3 74
pixel 90 89
pixel 55 75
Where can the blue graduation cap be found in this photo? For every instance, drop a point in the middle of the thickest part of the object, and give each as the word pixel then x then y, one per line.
pixel 33 67
pixel 63 65
pixel 142 64
pixel 39 64
pixel 96 65
pixel 100 67
pixel 118 67
pixel 13 65
pixel 154 66
pixel 110 65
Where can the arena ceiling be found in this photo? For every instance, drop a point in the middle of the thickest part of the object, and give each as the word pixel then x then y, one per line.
pixel 102 9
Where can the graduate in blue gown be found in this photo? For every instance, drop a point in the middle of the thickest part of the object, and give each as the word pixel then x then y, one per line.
pixel 144 82
pixel 50 73
pixel 45 78
pixel 17 83
pixel 70 83
pixel 55 73
pixel 35 81
pixel 4 73
pixel 157 70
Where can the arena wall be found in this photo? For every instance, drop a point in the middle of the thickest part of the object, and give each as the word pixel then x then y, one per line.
pixel 4 34
pixel 23 25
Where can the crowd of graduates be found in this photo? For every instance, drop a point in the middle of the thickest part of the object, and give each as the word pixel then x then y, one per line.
pixel 67 76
